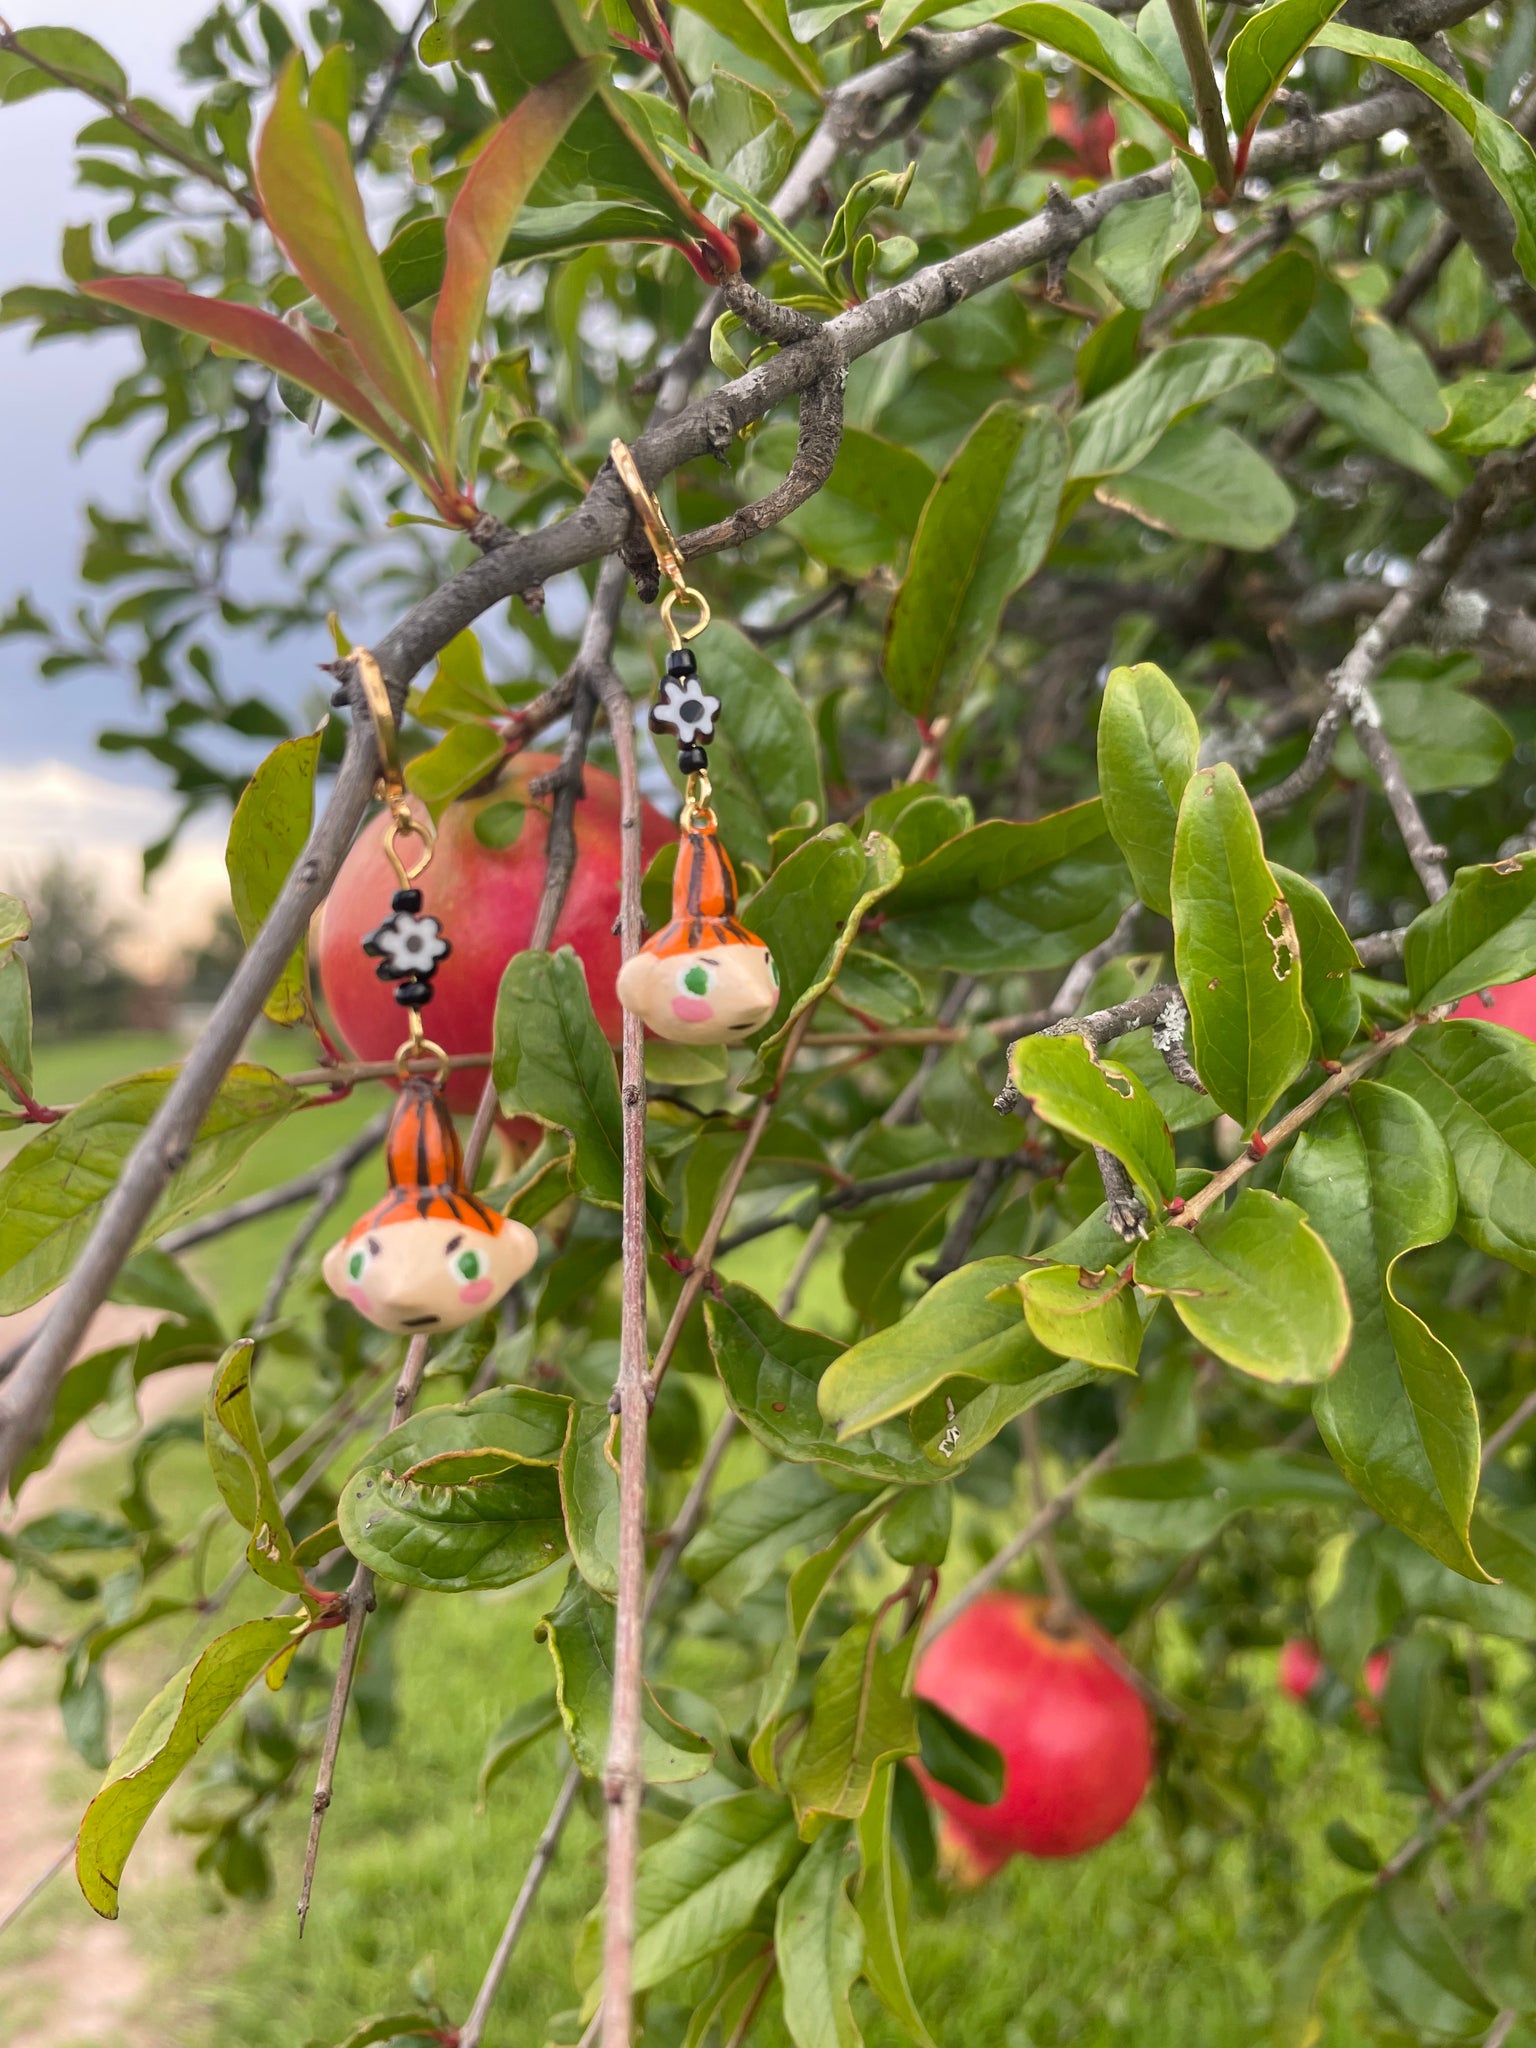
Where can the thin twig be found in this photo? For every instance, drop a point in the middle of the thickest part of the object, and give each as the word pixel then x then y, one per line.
pixel 302 1188
pixel 39 1885
pixel 1455 1810
pixel 393 79
pixel 359 1606
pixel 1189 22
pixel 474 2027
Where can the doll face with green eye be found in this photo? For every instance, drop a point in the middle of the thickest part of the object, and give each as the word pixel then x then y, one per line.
pixel 428 1272
pixel 717 995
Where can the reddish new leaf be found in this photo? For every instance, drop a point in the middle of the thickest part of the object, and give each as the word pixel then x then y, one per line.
pixel 310 197
pixel 481 218
pixel 248 331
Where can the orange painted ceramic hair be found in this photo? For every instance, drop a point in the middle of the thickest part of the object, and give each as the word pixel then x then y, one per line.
pixel 426 1167
pixel 703 899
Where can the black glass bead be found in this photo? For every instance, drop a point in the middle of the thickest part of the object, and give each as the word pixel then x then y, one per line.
pixel 413 995
pixel 692 760
pixel 682 662
pixel 408 900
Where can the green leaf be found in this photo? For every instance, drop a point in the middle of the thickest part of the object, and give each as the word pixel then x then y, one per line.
pixel 1204 482
pixel 83 62
pixel 1269 306
pixel 1502 151
pixel 1149 744
pixel 523 1727
pixel 266 836
pixel 1480 934
pixel 239 1461
pixel 1307 1965
pixel 1328 961
pixel 984 531
pixel 767 763
pixel 1135 243
pixel 1375 1180
pixel 862 1716
pixel 15 922
pixel 1009 897
pixel 917 1529
pixel 1408 1954
pixel 1097 41
pixel 303 355
pixel 1353 400
pixel 1443 738
pixel 1120 429
pixel 579 1636
pixel 880 1902
pixel 52 1189
pixel 1097 1103
pixel 1262 53
pixel 743 129
pixel 551 1061
pixel 589 1494
pixel 162 1742
pixel 310 197
pixel 1235 950
pixel 462 1499
pixel 771 1371
pixel 15 1023
pixel 1183 1504
pixel 818 1942
pixel 808 913
pixel 957 1328
pixel 876 1257
pixel 1478 1082
pixel 761 29
pixel 466 754
pixel 1077 1314
pixel 701 1886
pixel 1494 410
pixel 481 218
pixel 753 1530
pixel 954 1756
pixel 1255 1284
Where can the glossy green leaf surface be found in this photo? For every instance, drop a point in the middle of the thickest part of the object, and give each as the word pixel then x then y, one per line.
pixel 1077 1314
pixel 1235 950
pixel 239 1460
pixel 1263 52
pixel 579 1637
pixel 462 1499
pixel 1328 961
pixel 1114 432
pixel 1255 1284
pixel 266 836
pixel 1480 934
pixel 701 1886
pixel 1203 481
pixel 1376 1181
pixel 984 531
pixel 1149 742
pixel 52 1189
pixel 162 1742
pixel 1478 1083
pixel 552 1062
pixel 1092 1099
pixel 818 1940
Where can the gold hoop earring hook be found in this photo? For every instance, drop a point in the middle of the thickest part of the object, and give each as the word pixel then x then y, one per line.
pixel 663 546
pixel 391 784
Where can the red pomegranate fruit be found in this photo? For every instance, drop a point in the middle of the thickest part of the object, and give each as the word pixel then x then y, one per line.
pixel 1075 1737
pixel 486 898
pixel 1513 1006
pixel 1300 1667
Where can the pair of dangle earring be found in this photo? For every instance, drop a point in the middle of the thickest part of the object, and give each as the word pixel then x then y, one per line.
pixel 703 979
pixel 431 1255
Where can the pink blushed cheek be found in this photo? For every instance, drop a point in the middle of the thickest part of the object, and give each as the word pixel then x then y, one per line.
pixel 692 1009
pixel 478 1290
pixel 358 1299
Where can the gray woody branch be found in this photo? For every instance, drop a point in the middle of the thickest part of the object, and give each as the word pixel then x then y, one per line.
pixel 519 564
pixel 1350 697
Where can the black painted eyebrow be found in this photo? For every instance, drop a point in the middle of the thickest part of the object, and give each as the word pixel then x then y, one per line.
pixel 374 1246
pixel 453 1243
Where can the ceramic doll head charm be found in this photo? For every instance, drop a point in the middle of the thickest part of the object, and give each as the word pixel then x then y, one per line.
pixel 703 979
pixel 431 1255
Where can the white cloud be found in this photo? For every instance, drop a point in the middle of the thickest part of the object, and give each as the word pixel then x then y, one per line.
pixel 52 809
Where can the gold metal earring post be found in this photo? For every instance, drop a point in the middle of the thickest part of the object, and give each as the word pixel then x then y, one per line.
pixel 663 547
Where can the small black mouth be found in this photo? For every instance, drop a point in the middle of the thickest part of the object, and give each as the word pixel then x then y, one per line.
pixel 417 1322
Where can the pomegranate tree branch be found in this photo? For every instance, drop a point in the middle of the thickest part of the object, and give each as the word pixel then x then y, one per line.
pixel 623 1776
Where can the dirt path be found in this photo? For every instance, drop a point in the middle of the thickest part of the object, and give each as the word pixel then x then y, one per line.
pixel 71 1980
